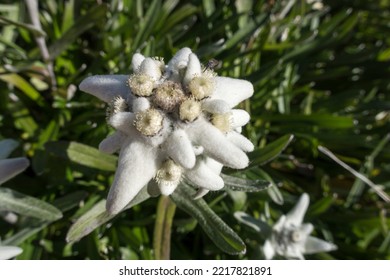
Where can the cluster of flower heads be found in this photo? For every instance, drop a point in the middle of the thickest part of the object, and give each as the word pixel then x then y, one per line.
pixel 172 121
pixel 289 237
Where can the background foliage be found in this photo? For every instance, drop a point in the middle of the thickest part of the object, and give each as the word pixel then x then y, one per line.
pixel 321 73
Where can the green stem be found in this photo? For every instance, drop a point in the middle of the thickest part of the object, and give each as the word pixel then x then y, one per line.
pixel 162 229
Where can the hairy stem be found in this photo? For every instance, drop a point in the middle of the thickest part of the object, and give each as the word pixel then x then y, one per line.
pixel 162 229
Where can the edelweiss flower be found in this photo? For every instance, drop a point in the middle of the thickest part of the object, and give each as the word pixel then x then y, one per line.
pixel 289 237
pixel 172 122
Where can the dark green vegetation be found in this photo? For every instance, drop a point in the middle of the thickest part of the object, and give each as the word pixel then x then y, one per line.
pixel 322 75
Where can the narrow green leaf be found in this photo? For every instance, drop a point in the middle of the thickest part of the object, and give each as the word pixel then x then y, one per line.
pixel 271 151
pixel 34 226
pixel 320 206
pixel 28 206
pixel 24 86
pixel 147 23
pixel 256 224
pixel 82 24
pixel 245 185
pixel 98 216
pixel 218 231
pixel 82 154
pixel 26 26
pixel 245 32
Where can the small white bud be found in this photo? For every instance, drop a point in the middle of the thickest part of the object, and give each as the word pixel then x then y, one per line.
pixel 202 86
pixel 190 110
pixel 149 122
pixel 117 105
pixel 222 121
pixel 168 177
pixel 141 84
pixel 168 95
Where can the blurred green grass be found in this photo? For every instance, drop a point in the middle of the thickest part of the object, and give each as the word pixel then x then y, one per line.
pixel 320 73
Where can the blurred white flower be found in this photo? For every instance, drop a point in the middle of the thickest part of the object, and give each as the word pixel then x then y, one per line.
pixel 9 252
pixel 172 121
pixel 289 237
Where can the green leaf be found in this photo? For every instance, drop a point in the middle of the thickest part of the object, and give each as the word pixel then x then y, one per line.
pixel 82 24
pixel 218 231
pixel 98 216
pixel 26 26
pixel 245 185
pixel 246 31
pixel 82 154
pixel 256 224
pixel 271 151
pixel 320 206
pixel 24 86
pixel 34 226
pixel 147 23
pixel 28 206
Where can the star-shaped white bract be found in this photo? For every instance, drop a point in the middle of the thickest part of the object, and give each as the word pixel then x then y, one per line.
pixel 289 237
pixel 172 122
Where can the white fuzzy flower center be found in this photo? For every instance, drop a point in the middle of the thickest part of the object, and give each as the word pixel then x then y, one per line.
pixel 202 86
pixel 149 122
pixel 190 110
pixel 168 95
pixel 141 84
pixel 222 121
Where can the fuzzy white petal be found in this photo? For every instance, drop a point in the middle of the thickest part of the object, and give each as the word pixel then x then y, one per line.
pixel 9 252
pixel 140 104
pixel 11 167
pixel 293 252
pixel 213 165
pixel 106 87
pixel 268 250
pixel 112 143
pixel 179 59
pixel 306 229
pixel 150 67
pixel 279 225
pixel 167 188
pixel 137 165
pixel 123 121
pixel 179 148
pixel 315 245
pixel 240 141
pixel 240 118
pixel 216 144
pixel 232 91
pixel 200 193
pixel 136 61
pixel 202 176
pixel 198 150
pixel 215 106
pixel 193 69
pixel 295 216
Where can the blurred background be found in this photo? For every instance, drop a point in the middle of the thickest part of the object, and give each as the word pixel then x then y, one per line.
pixel 321 72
